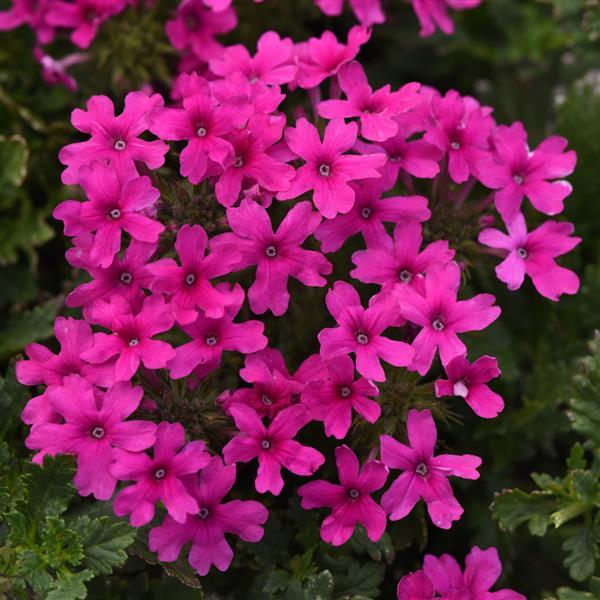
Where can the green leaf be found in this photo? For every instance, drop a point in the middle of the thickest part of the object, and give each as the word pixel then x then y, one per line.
pixel 319 586
pixel 576 458
pixel 360 579
pixel 20 329
pixel 104 542
pixel 383 549
pixel 70 586
pixel 565 593
pixel 60 544
pixel 583 551
pixel 277 581
pixel 512 508
pixel 14 155
pixel 33 569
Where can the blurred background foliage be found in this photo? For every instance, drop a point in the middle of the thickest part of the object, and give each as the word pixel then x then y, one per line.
pixel 534 61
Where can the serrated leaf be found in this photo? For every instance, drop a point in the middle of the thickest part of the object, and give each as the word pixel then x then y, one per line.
pixel 582 553
pixel 319 586
pixel 277 581
pixel 560 517
pixel 512 508
pixel 104 542
pixel 70 586
pixel 383 549
pixel 32 568
pixel 61 545
pixel 576 458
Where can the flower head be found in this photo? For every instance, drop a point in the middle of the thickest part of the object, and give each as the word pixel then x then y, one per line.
pixel 350 501
pixel 425 475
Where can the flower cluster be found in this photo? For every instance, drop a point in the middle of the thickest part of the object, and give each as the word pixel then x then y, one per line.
pixel 193 31
pixel 369 169
pixel 443 578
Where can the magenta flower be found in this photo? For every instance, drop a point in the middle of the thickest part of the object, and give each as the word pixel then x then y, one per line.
pixel 375 110
pixel 415 586
pixel 425 475
pixel 470 382
pixel 113 206
pixel 360 331
pixel 84 17
pixel 328 170
pixel 131 337
pixel 34 14
pixel 416 157
pixel 368 214
pixel 272 64
pixel 114 140
pixel 277 256
pixel 461 129
pixel 204 123
pixel 534 254
pixel 433 14
pixel 350 502
pixel 207 528
pixel 401 262
pixel 159 479
pixel 211 337
pixel 251 162
pixel 442 316
pixel 54 72
pixel 482 570
pixel 273 388
pixel 126 276
pixel 94 424
pixel 368 12
pixel 516 172
pixel 273 446
pixel 331 400
pixel 44 367
pixel 195 27
pixel 321 58
pixel 188 285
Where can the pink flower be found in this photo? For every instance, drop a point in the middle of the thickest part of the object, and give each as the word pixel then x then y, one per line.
pixel 400 262
pixel 328 170
pixel 34 14
pixel 375 110
pixel 114 140
pixel 131 335
pixel 360 331
pixel 273 388
pixel 189 285
pixel 442 316
pixel 159 478
pixel 44 367
pixel 207 528
pixel 516 172
pixel 331 400
pixel 434 13
pixel 534 254
pixel 415 586
pixel 368 12
pixel 211 337
pixel 482 570
pixel 323 57
pixel 273 446
pixel 470 382
pixel 126 276
pixel 113 206
pixel 277 256
pixel 368 214
pixel 461 129
pixel 425 475
pixel 272 64
pixel 204 123
pixel 195 27
pixel 251 162
pixel 350 502
pixel 84 17
pixel 54 72
pixel 94 424
pixel 416 157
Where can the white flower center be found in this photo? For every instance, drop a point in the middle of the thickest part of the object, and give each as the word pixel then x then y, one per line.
pixel 211 340
pixel 362 338
pixel 265 444
pixel 190 278
pixel 159 473
pixel 203 513
pixel 365 213
pixel 120 145
pixel 98 432
pixel 460 388
pixel 133 342
pixel 325 170
pixel 345 392
pixel 522 253
pixel 421 469
pixel 438 325
pixel 126 278
pixel 354 494
pixel 405 276
pixel 271 251
pixel 115 213
pixel 455 146
pixel 201 132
